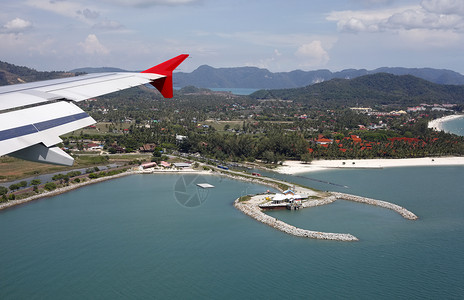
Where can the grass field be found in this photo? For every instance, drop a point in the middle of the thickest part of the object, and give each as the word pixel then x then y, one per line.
pixel 13 168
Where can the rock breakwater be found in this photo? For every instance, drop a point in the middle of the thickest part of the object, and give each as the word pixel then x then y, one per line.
pixel 252 209
pixel 399 209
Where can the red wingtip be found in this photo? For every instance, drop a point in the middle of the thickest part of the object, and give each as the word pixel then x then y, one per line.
pixel 164 85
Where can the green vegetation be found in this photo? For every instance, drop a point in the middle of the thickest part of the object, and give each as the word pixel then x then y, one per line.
pixel 266 128
pixel 3 190
pixel 369 90
pixel 104 174
pixel 248 129
pixel 244 198
pixel 50 186
pixel 10 73
pixel 35 182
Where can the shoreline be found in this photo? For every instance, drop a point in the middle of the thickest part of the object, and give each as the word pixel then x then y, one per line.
pixel 292 167
pixel 74 186
pixel 437 124
pixel 61 190
pixel 249 207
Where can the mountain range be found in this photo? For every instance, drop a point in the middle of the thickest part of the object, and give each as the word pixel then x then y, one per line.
pixel 374 88
pixel 252 77
pixel 241 77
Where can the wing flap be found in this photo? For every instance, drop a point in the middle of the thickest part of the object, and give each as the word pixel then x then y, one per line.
pixel 40 125
pixel 18 99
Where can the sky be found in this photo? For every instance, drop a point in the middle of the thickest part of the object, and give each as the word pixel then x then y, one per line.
pixel 277 35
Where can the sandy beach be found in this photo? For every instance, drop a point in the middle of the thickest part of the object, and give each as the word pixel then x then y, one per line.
pixel 437 124
pixel 295 167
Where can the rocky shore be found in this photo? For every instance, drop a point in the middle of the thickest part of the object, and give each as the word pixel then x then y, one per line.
pixel 399 209
pixel 62 190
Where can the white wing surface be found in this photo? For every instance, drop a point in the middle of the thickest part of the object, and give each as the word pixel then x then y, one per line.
pixel 34 115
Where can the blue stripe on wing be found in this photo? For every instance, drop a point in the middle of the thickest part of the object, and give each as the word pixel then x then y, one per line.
pixel 40 126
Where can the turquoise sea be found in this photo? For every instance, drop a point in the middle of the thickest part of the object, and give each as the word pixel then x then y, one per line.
pixel 455 126
pixel 137 237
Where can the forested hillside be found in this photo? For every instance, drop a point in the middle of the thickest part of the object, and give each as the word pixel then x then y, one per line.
pixel 376 89
pixel 12 74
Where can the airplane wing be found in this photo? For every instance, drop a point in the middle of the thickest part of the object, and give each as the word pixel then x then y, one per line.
pixel 34 115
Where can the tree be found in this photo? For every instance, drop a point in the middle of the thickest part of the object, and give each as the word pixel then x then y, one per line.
pixel 73 173
pixel 14 186
pixel 36 182
pixel 157 152
pixel 306 157
pixel 3 190
pixel 50 186
pixel 93 175
pixel 269 157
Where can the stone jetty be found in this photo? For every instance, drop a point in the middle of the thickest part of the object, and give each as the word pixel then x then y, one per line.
pixel 252 209
pixel 399 209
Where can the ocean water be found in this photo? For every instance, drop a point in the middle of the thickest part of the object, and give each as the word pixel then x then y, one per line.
pixel 146 236
pixel 455 126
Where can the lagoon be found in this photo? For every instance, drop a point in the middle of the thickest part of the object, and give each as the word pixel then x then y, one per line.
pixel 132 238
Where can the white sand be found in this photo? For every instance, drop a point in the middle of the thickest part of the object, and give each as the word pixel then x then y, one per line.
pixel 437 124
pixel 295 167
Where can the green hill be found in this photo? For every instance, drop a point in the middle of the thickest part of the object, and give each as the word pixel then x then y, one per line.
pixel 376 89
pixel 12 74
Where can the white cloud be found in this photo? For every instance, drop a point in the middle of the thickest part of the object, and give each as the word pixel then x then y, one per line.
pixel 312 54
pixel 16 25
pixel 447 7
pixel 431 15
pixel 92 45
pixel 363 20
pixel 422 39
